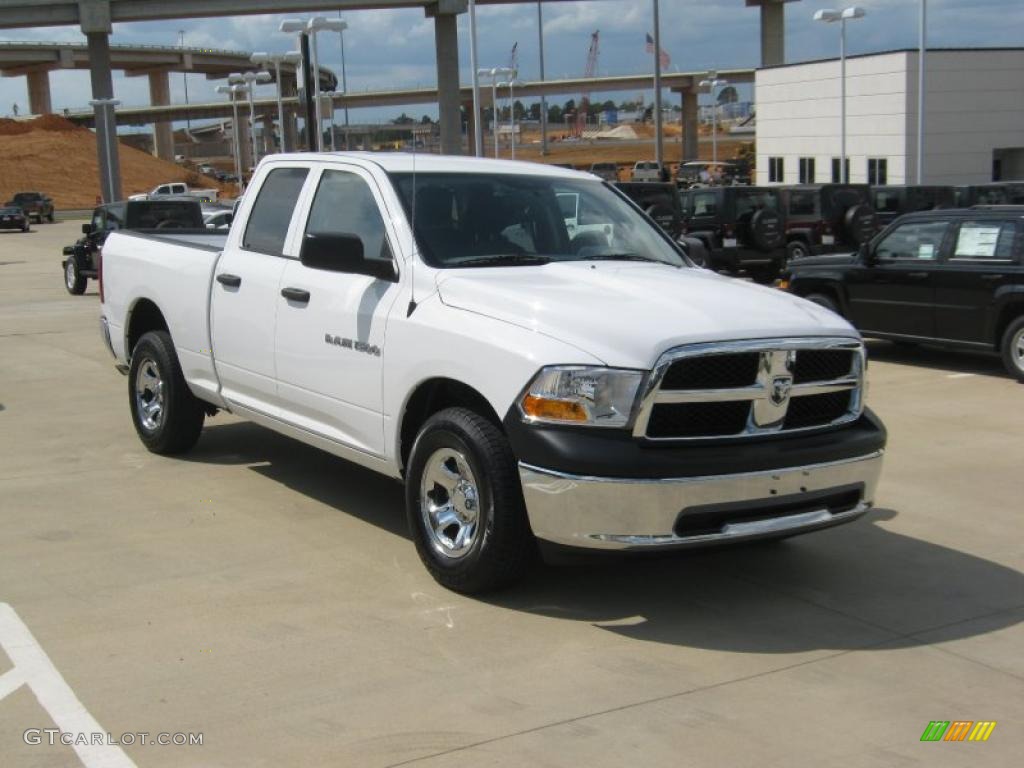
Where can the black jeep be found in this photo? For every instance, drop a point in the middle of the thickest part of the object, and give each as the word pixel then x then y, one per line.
pixel 827 218
pixel 81 260
pixel 953 277
pixel 891 202
pixel 741 228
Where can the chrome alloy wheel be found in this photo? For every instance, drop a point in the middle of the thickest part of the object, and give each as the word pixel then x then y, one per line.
pixel 70 274
pixel 149 395
pixel 449 503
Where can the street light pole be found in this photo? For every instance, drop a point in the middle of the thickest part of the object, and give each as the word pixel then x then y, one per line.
pixel 922 51
pixel 277 59
pixel 233 90
pixel 344 77
pixel 659 139
pixel 543 99
pixel 184 82
pixel 829 16
pixel 478 129
pixel 712 83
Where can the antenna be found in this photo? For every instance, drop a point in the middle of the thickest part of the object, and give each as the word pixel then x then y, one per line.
pixel 412 224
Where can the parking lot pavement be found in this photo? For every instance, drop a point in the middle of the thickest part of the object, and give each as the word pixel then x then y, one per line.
pixel 266 595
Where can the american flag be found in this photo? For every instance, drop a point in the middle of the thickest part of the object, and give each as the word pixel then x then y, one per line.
pixel 666 60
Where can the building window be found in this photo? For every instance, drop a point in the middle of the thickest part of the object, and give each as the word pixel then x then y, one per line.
pixel 835 171
pixel 878 171
pixel 775 169
pixel 806 170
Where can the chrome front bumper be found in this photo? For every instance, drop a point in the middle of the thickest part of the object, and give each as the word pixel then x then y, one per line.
pixel 621 513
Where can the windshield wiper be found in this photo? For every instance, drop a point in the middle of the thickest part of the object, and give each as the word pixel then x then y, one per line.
pixel 619 257
pixel 503 259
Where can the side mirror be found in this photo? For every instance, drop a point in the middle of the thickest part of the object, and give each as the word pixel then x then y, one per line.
pixel 87 228
pixel 342 252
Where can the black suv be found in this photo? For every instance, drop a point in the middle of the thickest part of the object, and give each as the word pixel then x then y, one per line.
pixel 34 204
pixel 953 277
pixel 996 193
pixel 162 216
pixel 891 202
pixel 827 218
pixel 741 228
pixel 659 200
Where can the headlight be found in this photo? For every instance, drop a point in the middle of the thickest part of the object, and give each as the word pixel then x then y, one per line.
pixel 567 394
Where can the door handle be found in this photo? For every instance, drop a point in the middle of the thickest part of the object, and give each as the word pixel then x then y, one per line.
pixel 231 281
pixel 917 275
pixel 296 294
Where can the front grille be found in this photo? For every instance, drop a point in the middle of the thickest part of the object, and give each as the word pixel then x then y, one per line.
pixel 699 419
pixel 816 410
pixel 822 365
pixel 749 388
pixel 713 372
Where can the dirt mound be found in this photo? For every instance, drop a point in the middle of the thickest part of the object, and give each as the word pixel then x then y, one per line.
pixel 55 156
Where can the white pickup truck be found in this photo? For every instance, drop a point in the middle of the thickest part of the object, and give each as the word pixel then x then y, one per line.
pixel 179 189
pixel 432 318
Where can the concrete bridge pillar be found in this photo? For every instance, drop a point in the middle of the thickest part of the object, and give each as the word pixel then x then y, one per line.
pixel 39 92
pixel 269 145
pixel 446 41
pixel 244 140
pixel 290 129
pixel 163 131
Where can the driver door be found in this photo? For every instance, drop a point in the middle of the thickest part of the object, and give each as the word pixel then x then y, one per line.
pixel 895 293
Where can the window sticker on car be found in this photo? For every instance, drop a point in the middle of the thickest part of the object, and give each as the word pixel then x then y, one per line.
pixel 828 239
pixel 729 242
pixel 977 241
pixel 926 251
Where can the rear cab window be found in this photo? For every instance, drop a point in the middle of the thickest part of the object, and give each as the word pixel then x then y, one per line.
pixel 271 213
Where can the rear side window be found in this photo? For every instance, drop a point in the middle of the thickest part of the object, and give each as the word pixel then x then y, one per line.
pixel 704 204
pixel 986 240
pixel 801 203
pixel 271 214
pixel 345 205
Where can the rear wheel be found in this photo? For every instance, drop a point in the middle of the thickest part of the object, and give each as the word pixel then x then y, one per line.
pixel 797 249
pixel 1013 349
pixel 824 301
pixel 49 217
pixel 167 416
pixel 73 279
pixel 464 503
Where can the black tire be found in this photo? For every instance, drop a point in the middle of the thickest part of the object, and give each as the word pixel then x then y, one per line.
pixel 1012 348
pixel 181 414
pixel 797 249
pixel 74 281
pixel 766 230
pixel 822 300
pixel 502 547
pixel 860 223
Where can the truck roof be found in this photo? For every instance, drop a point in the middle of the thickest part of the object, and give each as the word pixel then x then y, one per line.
pixel 404 162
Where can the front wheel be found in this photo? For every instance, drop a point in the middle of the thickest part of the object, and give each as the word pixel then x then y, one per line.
pixel 74 281
pixel 464 504
pixel 167 416
pixel 1013 349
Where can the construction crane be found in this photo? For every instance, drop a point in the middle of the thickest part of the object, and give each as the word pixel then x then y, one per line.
pixel 583 108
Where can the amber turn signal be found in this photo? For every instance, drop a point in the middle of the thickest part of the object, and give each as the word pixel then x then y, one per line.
pixel 554 410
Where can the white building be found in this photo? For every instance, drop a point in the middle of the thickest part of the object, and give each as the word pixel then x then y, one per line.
pixel 974 126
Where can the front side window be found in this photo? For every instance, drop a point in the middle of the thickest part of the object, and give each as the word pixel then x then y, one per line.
pixel 985 240
pixel 475 219
pixel 271 214
pixel 344 204
pixel 914 241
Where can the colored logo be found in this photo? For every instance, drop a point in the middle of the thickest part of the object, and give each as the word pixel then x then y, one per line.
pixel 958 730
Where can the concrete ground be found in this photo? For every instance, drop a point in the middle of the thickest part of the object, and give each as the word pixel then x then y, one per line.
pixel 267 595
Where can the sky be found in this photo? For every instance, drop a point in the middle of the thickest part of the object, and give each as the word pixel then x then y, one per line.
pixel 395 49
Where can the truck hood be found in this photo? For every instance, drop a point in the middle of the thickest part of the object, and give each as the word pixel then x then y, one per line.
pixel 626 313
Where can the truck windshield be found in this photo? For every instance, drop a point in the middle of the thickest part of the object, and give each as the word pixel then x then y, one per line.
pixel 472 219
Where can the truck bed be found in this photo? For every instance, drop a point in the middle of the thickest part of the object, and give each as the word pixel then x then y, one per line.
pixel 174 269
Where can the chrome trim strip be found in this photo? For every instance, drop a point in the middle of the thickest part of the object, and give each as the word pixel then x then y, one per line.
pixel 777 358
pixel 640 513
